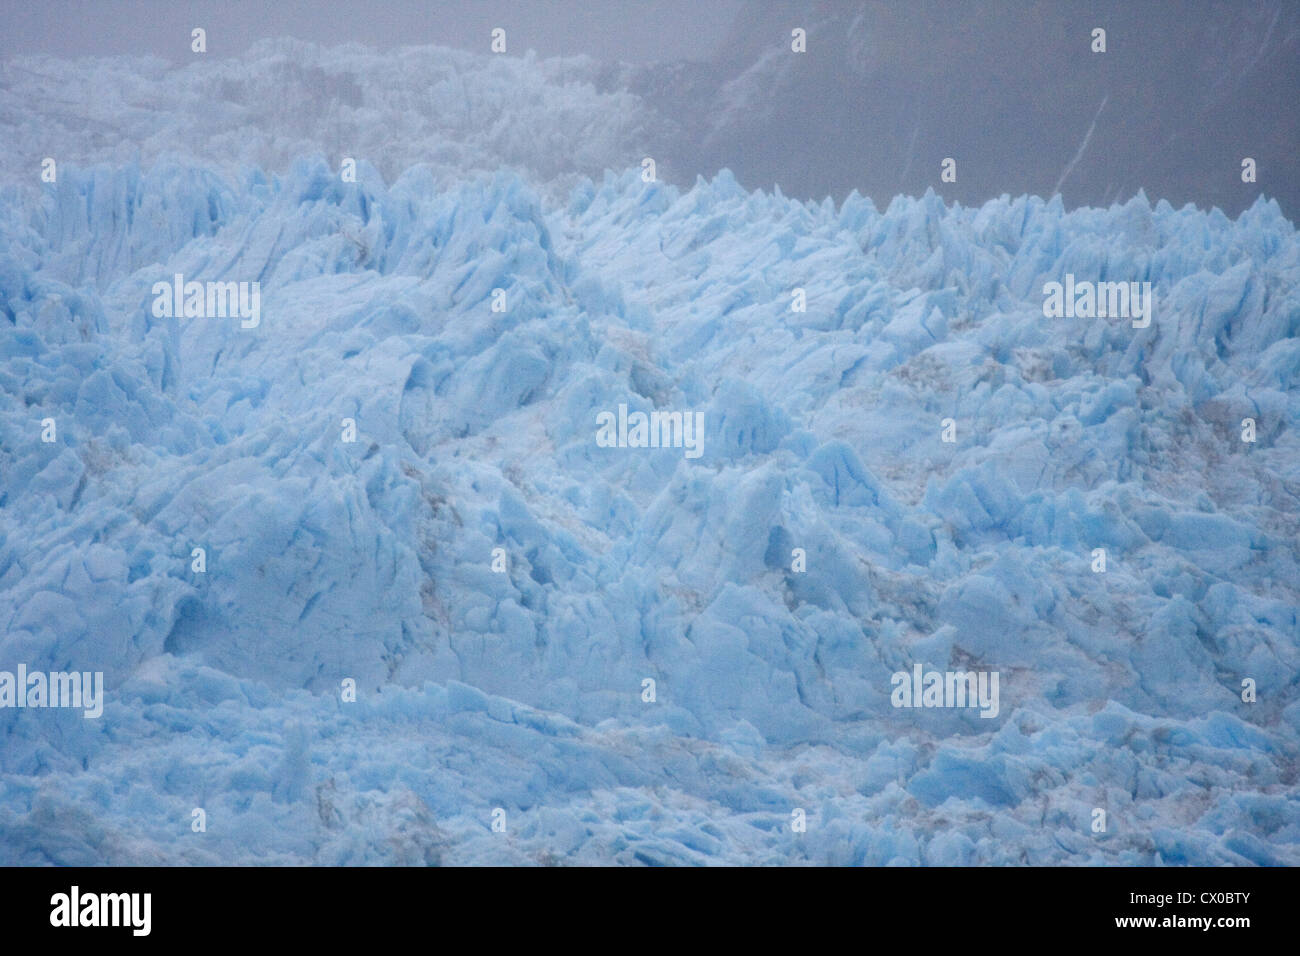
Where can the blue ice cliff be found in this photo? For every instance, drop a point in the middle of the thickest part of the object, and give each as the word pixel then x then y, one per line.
pixel 523 687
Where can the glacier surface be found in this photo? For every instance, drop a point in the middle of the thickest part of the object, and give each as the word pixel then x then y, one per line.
pixel 372 560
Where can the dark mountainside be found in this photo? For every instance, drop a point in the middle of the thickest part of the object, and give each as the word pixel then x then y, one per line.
pixel 905 100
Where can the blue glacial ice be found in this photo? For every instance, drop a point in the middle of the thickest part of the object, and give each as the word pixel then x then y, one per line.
pixel 372 560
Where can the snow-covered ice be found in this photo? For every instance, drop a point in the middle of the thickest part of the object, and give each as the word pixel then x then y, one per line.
pixel 476 429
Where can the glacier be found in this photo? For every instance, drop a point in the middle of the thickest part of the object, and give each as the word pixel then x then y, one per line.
pixel 522 690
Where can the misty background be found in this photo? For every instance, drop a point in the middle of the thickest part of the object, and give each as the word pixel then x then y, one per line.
pixel 886 90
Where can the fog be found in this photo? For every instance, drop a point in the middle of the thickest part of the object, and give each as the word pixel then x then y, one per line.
pixel 1012 91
